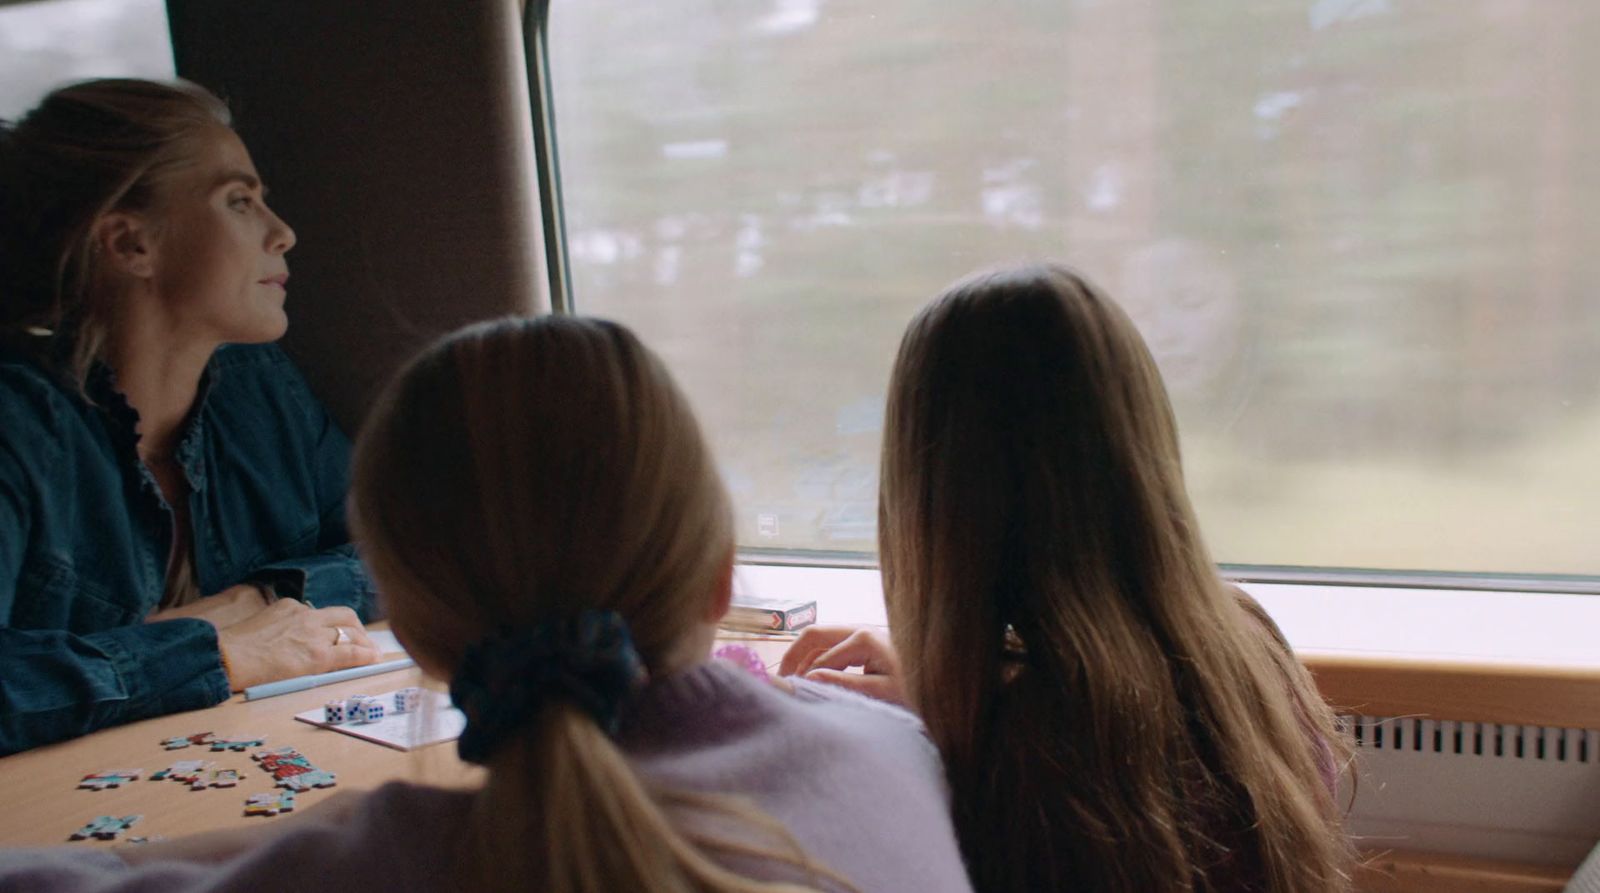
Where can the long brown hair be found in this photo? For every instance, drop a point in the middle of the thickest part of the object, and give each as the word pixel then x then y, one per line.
pixel 519 472
pixel 1110 718
pixel 87 149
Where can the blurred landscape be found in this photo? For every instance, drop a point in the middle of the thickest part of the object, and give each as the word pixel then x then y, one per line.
pixel 1354 233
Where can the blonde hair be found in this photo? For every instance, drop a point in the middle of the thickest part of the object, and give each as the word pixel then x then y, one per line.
pixel 87 149
pixel 519 472
pixel 1112 716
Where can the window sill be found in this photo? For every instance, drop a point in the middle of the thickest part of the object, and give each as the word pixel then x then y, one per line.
pixel 1508 657
pixel 1514 628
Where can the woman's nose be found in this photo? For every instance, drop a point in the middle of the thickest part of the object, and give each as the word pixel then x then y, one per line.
pixel 281 238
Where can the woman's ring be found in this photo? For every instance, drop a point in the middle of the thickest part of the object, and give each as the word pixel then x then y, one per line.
pixel 340 636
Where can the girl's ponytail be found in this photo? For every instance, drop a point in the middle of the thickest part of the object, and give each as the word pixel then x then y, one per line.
pixel 537 499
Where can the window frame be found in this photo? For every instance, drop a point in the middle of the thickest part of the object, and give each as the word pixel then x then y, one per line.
pixel 547 162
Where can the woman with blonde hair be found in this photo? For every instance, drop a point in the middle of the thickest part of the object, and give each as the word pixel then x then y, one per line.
pixel 171 493
pixel 550 535
pixel 1112 715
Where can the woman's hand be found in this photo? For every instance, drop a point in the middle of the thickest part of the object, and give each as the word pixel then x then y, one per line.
pixel 824 653
pixel 232 605
pixel 288 638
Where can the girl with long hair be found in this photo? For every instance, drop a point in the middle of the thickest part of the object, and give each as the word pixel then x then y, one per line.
pixel 550 536
pixel 1112 715
pixel 171 493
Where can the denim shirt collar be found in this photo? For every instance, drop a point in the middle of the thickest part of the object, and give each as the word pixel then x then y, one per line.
pixel 101 389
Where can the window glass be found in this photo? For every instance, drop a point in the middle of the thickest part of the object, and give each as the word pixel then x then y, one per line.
pixel 1354 232
pixel 47 43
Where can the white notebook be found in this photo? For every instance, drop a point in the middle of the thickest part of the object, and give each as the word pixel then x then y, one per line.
pixel 431 723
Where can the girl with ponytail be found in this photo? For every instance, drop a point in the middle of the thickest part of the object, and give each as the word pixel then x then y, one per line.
pixel 550 535
pixel 1113 716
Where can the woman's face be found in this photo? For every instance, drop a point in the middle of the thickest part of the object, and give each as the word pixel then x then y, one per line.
pixel 220 270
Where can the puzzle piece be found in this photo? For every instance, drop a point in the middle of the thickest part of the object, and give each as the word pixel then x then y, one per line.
pixel 111 778
pixel 290 769
pixel 316 778
pixel 289 757
pixel 105 827
pixel 186 771
pixel 182 741
pixel 270 803
pixel 281 771
pixel 217 778
pixel 282 762
pixel 238 745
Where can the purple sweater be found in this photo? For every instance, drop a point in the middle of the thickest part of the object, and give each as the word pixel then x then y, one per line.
pixel 855 781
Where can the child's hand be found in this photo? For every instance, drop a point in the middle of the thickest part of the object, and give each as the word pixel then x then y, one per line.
pixel 824 653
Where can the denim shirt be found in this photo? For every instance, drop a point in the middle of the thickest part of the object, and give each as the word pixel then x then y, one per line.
pixel 85 535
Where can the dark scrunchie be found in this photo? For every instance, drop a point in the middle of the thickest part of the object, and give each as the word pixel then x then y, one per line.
pixel 504 681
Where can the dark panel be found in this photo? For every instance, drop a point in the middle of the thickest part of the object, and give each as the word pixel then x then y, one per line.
pixel 396 140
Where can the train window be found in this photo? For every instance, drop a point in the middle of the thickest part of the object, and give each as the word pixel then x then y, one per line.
pixel 44 43
pixel 1353 232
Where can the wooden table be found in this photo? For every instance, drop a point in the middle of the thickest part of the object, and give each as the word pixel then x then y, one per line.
pixel 43 805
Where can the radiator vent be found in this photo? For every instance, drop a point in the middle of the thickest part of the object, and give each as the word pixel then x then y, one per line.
pixel 1491 790
pixel 1474 739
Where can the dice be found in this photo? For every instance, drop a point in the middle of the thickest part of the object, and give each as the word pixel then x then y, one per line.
pixel 369 710
pixel 366 708
pixel 407 700
pixel 335 712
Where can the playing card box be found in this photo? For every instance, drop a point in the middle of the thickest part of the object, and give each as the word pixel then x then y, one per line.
pixel 753 614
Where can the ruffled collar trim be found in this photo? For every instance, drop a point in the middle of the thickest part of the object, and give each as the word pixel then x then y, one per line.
pixel 102 390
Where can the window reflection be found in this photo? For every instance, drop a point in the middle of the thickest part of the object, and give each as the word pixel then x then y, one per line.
pixel 46 43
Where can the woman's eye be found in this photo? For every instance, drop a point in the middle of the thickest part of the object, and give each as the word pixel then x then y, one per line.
pixel 240 201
